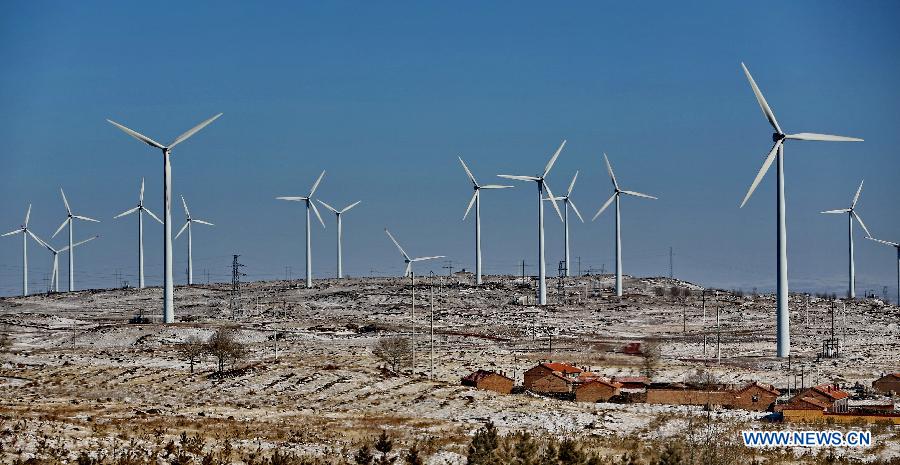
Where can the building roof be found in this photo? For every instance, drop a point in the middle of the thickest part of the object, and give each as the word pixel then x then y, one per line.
pixel 830 391
pixel 479 375
pixel 604 381
pixel 765 387
pixel 797 404
pixel 889 375
pixel 632 379
pixel 563 368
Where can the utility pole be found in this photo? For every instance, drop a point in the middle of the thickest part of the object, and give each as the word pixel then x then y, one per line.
pixel 703 304
pixel 275 339
pixel 718 339
pixel 431 362
pixel 235 285
pixel 550 334
pixel 412 277
pixel 449 267
pixel 579 266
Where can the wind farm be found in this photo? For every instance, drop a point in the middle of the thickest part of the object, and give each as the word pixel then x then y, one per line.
pixel 412 328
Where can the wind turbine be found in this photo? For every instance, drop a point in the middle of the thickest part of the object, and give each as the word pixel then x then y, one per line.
pixel 309 205
pixel 187 225
pixel 70 220
pixel 777 153
pixel 851 214
pixel 54 275
pixel 541 185
pixel 896 246
pixel 338 213
pixel 616 195
pixel 409 261
pixel 25 233
pixel 567 200
pixel 140 209
pixel 169 288
pixel 476 200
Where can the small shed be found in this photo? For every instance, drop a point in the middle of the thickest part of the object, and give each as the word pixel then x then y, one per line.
pixel 489 380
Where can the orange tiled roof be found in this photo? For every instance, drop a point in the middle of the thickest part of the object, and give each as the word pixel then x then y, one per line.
pixel 562 367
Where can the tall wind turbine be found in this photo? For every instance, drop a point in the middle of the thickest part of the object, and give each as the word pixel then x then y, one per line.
pixel 25 233
pixel 541 185
pixel 851 214
pixel 140 209
pixel 54 275
pixel 476 200
pixel 187 225
pixel 616 195
pixel 777 152
pixel 567 201
pixel 309 205
pixel 338 213
pixel 896 246
pixel 169 288
pixel 409 261
pixel 70 220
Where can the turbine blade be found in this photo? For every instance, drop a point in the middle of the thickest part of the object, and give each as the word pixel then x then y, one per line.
pixel 137 135
pixel 856 197
pixel 610 171
pixel 519 178
pixel 893 244
pixel 39 240
pixel 186 223
pixel 495 186
pixel 575 209
pixel 604 206
pixel 762 101
pixel 17 231
pixel 152 215
pixel 60 228
pixel 469 173
pixel 293 199
pixel 855 215
pixel 316 184
pixel 84 241
pixel 351 206
pixel 842 210
pixel 192 131
pixel 316 211
pixel 471 202
pixel 65 201
pixel 127 212
pixel 422 259
pixel 203 222
pixel 405 256
pixel 79 217
pixel 186 211
pixel 27 215
pixel 572 184
pixel 553 159
pixel 762 171
pixel 327 206
pixel 553 201
pixel 638 194
pixel 821 137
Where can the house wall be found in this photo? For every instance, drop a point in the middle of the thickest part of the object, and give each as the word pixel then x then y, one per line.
pixel 535 374
pixel 689 397
pixel 594 392
pixel 550 383
pixel 495 383
pixel 744 399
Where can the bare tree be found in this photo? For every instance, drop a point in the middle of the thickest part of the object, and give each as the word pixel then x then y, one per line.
pixel 395 351
pixel 224 346
pixel 192 350
pixel 652 353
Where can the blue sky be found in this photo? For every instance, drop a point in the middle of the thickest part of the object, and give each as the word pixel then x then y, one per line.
pixel 384 96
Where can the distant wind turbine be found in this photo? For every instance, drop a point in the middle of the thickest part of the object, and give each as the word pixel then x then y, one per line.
pixel 896 246
pixel 187 225
pixel 54 275
pixel 542 185
pixel 338 213
pixel 70 220
pixel 25 233
pixel 618 192
pixel 406 258
pixel 169 287
pixel 476 200
pixel 309 205
pixel 777 152
pixel 140 209
pixel 851 214
pixel 567 201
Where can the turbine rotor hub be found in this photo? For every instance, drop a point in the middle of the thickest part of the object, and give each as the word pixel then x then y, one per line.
pixel 777 137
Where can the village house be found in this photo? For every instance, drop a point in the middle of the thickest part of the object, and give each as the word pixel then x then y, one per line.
pixel 489 381
pixel 596 389
pixel 835 400
pixel 888 384
pixel 755 396
pixel 713 395
pixel 632 382
pixel 551 377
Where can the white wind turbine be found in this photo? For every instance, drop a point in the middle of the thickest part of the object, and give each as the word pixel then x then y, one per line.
pixel 70 220
pixel 340 255
pixel 896 246
pixel 618 192
pixel 169 288
pixel 541 185
pixel 476 200
pixel 567 201
pixel 409 261
pixel 25 233
pixel 851 214
pixel 309 205
pixel 140 209
pixel 187 225
pixel 54 275
pixel 777 153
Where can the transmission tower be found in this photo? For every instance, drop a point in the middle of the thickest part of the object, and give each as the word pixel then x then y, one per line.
pixel 236 286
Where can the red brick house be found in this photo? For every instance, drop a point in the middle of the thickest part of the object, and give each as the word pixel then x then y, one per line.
pixel 755 396
pixel 836 400
pixel 596 390
pixel 552 377
pixel 489 381
pixel 888 383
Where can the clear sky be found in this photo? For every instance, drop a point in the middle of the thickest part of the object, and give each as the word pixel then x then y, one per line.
pixel 385 95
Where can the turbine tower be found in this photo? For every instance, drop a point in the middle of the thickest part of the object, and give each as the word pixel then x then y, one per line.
pixel 338 213
pixel 140 209
pixel 777 153
pixel 896 246
pixel 616 195
pixel 851 214
pixel 25 233
pixel 168 286
pixel 567 201
pixel 54 275
pixel 541 186
pixel 187 225
pixel 309 205
pixel 476 199
pixel 70 220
